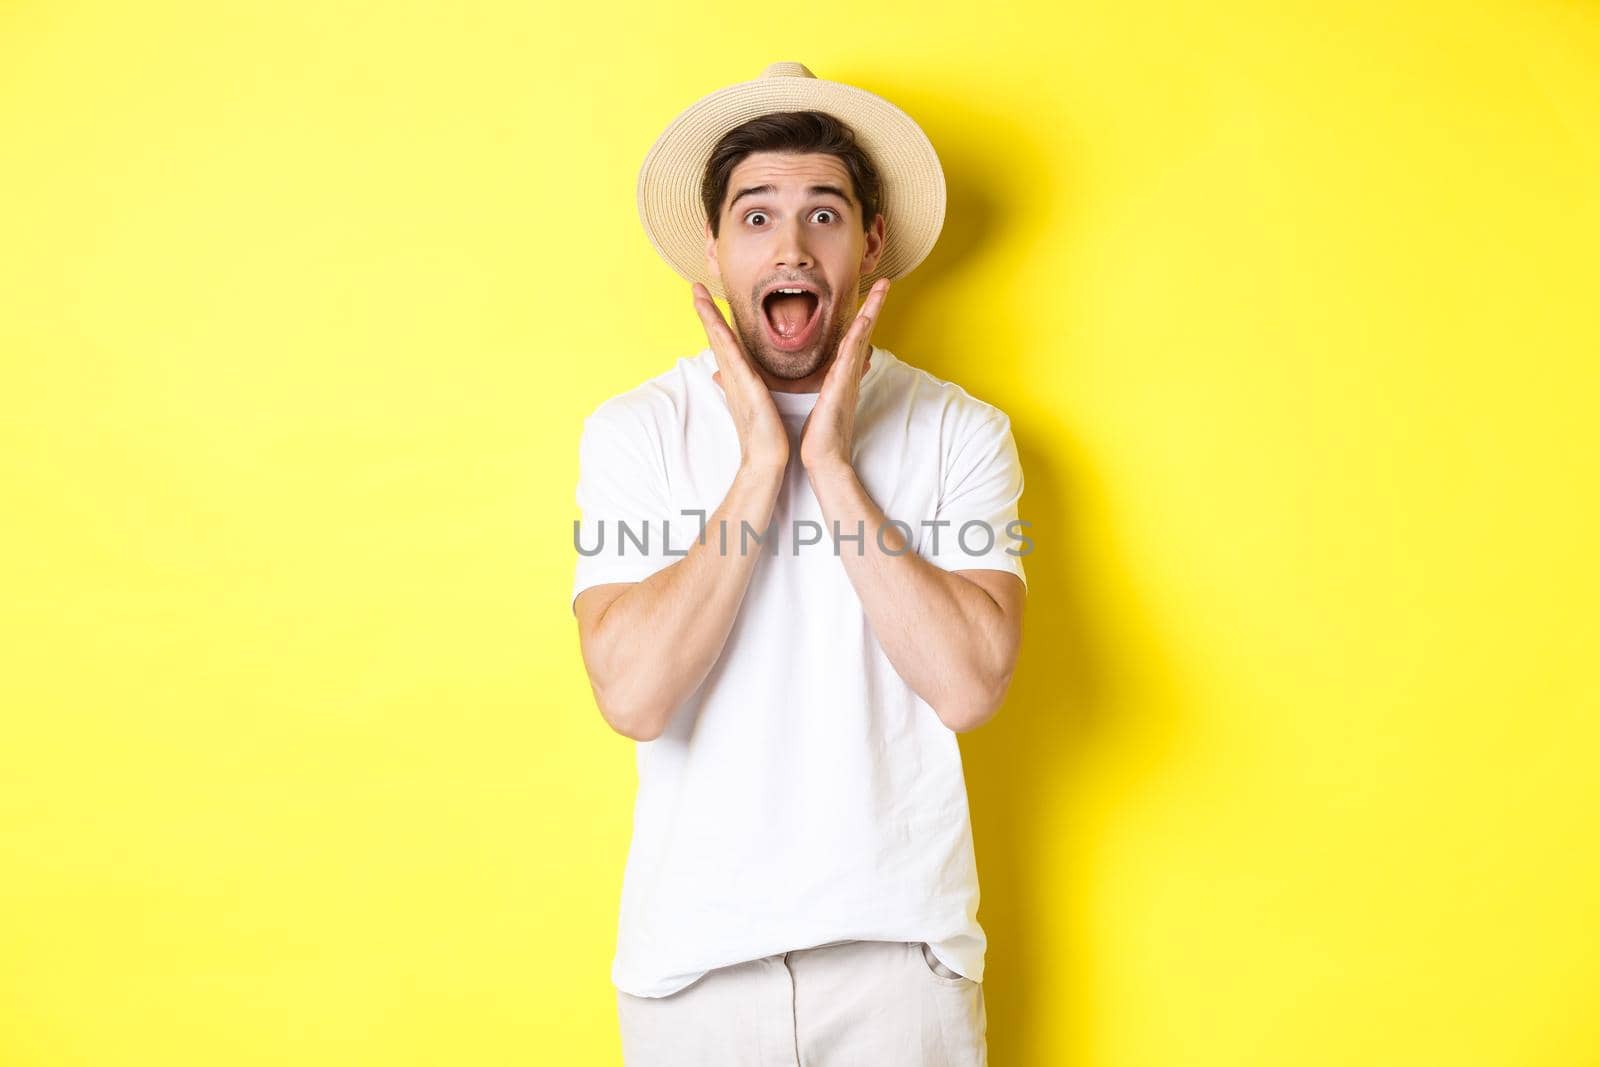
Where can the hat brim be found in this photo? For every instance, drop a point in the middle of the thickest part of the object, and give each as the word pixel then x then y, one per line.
pixel 913 188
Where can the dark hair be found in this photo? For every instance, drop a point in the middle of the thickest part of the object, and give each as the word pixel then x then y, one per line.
pixel 794 132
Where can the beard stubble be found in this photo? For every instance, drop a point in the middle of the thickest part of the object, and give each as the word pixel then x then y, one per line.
pixel 791 366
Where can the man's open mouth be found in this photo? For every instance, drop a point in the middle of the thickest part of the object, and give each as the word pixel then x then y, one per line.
pixel 792 314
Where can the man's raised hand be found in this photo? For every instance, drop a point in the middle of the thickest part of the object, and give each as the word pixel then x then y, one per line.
pixel 763 441
pixel 829 432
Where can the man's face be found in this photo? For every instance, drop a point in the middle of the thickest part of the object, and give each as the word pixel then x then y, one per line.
pixel 792 221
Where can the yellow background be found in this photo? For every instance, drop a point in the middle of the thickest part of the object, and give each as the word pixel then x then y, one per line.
pixel 301 307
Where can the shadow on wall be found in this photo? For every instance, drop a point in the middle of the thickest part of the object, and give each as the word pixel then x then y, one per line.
pixel 1025 768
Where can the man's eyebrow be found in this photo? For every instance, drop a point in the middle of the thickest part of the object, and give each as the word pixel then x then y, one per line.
pixel 830 190
pixel 815 190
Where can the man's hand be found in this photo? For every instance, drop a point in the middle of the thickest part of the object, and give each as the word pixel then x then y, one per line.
pixel 829 431
pixel 763 442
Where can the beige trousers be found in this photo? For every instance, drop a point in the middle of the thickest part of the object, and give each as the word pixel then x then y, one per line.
pixel 853 1004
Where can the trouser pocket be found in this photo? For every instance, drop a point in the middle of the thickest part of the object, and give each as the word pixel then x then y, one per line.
pixel 937 969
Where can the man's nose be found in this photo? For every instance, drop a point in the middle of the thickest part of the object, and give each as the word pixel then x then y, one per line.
pixel 792 251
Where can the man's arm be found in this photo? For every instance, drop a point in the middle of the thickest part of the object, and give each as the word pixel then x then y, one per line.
pixel 952 635
pixel 647 645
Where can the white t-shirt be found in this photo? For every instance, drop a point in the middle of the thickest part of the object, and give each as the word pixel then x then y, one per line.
pixel 804 794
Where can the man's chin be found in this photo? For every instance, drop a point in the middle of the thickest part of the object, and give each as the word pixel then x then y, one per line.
pixel 790 366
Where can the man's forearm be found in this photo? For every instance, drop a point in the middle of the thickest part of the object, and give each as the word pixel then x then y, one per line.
pixel 657 641
pixel 940 632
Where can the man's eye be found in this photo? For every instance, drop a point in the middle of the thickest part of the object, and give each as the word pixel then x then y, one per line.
pixel 828 211
pixel 755 215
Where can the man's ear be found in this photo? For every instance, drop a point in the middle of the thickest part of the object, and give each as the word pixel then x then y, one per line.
pixel 874 249
pixel 712 265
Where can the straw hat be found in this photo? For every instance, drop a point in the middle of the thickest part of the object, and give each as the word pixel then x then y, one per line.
pixel 913 181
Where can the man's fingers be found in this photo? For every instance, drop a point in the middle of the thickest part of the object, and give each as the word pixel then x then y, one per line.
pixel 874 305
pixel 875 298
pixel 867 317
pixel 854 346
pixel 718 333
pixel 710 314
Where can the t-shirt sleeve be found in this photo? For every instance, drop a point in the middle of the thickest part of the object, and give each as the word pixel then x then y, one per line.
pixel 622 498
pixel 979 525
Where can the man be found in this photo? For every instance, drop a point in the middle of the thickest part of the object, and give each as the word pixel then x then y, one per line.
pixel 827 590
